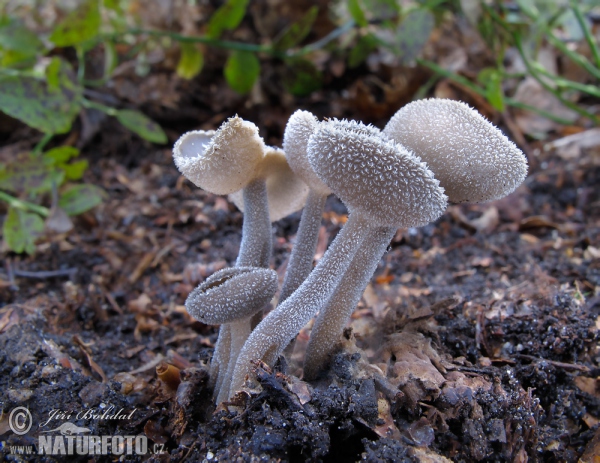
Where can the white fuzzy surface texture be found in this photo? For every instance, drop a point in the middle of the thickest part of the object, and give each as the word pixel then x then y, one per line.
pixel 300 126
pixel 232 294
pixel 473 160
pixel 225 162
pixel 374 176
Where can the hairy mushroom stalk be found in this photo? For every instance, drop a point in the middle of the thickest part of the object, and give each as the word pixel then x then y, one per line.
pixel 470 157
pixel 298 130
pixel 235 159
pixel 300 127
pixel 383 186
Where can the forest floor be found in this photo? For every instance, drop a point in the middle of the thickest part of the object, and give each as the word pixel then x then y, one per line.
pixel 476 340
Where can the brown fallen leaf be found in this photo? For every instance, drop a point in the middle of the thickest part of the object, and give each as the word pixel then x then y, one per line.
pixel 588 385
pixel 9 318
pixel 592 451
pixel 417 368
pixel 86 351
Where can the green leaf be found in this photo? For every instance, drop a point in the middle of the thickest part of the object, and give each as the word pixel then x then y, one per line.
pixel 191 61
pixel 492 80
pixel 227 17
pixel 302 77
pixel 61 154
pixel 241 70
pixel 17 43
pixel 141 125
pixel 26 174
pixel 21 229
pixel 297 31
pixel 357 13
pixel 75 170
pixel 114 5
pixel 359 53
pixel 381 10
pixel 50 109
pixel 52 73
pixel 80 198
pixel 81 25
pixel 111 58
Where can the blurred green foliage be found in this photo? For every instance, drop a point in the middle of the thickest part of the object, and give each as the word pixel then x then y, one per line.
pixel 44 89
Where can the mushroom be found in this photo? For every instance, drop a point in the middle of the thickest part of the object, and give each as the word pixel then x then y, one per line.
pixel 298 130
pixel 231 161
pixel 230 297
pixel 301 125
pixel 286 191
pixel 470 157
pixel 235 159
pixel 384 187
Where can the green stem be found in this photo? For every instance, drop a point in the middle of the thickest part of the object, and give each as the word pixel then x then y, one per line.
pixel 228 44
pixel 242 46
pixel 566 83
pixel 587 33
pixel 509 101
pixel 578 59
pixel 42 144
pixel 81 63
pixel 24 205
pixel 334 34
pixel 548 88
pixel 99 106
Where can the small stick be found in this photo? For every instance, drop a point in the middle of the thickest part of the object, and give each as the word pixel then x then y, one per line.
pixel 566 366
pixel 44 274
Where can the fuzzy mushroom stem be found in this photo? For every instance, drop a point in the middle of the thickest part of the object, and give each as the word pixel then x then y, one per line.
pixel 301 259
pixel 383 185
pixel 220 359
pixel 239 332
pixel 255 248
pixel 332 318
pixel 276 330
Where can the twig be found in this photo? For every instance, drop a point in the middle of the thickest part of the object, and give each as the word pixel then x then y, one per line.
pixel 566 366
pixel 44 274
pixel 11 275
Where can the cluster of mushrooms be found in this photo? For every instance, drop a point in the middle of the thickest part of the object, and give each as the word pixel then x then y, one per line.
pixel 430 153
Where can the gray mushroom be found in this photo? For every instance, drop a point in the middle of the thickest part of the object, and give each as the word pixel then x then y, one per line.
pixel 230 297
pixel 300 126
pixel 470 157
pixel 384 186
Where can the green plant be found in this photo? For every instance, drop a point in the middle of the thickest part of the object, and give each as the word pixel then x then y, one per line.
pixel 525 28
pixel 40 87
pixel 31 175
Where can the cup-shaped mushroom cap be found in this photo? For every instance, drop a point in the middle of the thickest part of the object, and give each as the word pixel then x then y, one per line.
pixel 300 126
pixel 375 177
pixel 472 159
pixel 286 192
pixel 227 162
pixel 232 294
